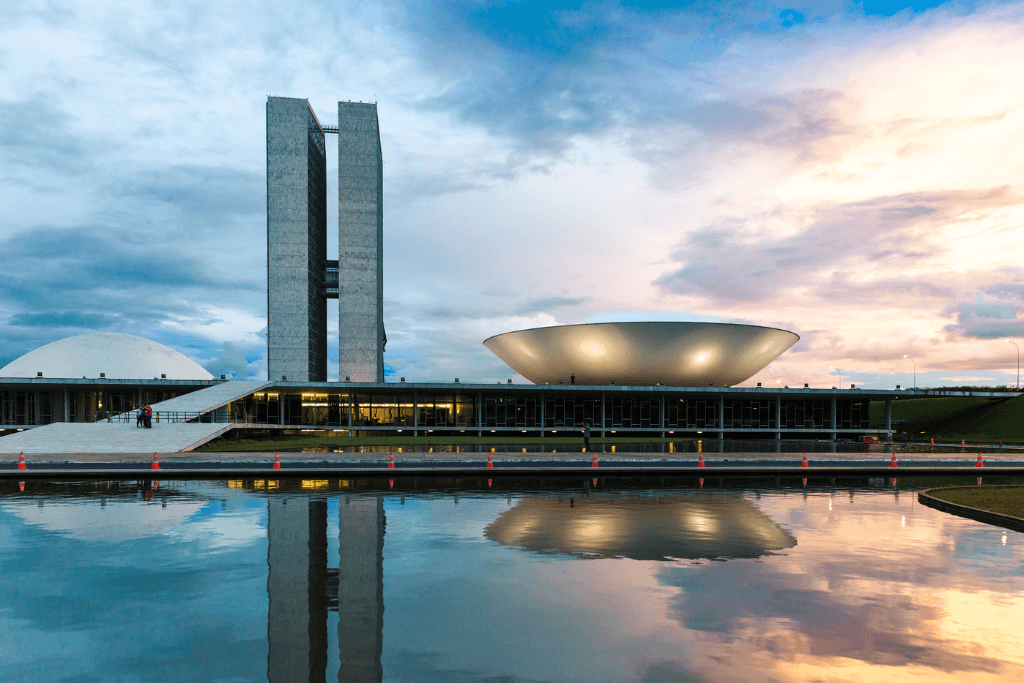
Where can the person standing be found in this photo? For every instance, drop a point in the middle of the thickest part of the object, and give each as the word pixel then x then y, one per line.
pixel 149 416
pixel 586 436
pixel 139 417
pixel 572 380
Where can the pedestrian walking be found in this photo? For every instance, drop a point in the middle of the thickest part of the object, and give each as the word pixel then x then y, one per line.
pixel 586 436
pixel 149 417
pixel 139 417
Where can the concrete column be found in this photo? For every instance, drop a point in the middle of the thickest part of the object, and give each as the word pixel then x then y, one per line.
pixel 721 417
pixel 778 418
pixel 833 425
pixel 360 589
pixel 297 589
pixel 888 414
pixel 543 411
pixel 662 403
pixel 67 412
pixel 604 402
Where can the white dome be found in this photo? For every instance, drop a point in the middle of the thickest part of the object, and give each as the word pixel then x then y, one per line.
pixel 119 356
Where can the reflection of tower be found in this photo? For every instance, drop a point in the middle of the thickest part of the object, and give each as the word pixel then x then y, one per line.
pixel 361 589
pixel 296 586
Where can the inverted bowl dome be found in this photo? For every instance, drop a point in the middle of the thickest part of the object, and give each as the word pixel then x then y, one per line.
pixel 642 354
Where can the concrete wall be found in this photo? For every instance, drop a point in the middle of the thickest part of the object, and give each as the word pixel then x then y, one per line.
pixel 296 242
pixel 360 244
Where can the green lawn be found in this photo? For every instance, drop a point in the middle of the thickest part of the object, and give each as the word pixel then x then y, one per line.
pixel 1008 501
pixel 953 419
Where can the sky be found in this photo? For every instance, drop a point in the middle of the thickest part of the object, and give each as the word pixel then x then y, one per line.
pixel 848 171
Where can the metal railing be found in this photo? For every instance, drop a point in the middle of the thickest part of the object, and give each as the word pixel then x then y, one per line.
pixel 217 415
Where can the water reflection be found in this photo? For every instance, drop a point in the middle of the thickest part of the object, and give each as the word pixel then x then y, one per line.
pixel 302 590
pixel 713 526
pixel 285 582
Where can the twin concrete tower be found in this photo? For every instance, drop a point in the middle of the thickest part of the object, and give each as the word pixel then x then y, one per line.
pixel 300 277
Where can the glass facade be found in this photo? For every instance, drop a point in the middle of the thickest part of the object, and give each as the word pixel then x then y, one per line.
pixel 28 407
pixel 539 411
pixel 451 408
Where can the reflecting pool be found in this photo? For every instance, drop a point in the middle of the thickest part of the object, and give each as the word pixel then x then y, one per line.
pixel 528 580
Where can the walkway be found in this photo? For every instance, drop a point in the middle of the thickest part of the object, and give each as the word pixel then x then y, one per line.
pixel 111 437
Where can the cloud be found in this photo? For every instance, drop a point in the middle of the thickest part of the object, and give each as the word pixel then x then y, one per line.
pixel 234 363
pixel 852 177
pixel 842 249
pixel 542 304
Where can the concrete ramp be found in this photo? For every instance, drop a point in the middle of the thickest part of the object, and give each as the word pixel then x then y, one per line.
pixel 111 437
pixel 210 398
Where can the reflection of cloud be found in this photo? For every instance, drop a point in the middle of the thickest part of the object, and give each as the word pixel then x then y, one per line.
pixel 874 591
pixel 225 531
pixel 111 521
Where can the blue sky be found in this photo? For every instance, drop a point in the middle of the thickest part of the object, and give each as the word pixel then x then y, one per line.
pixel 848 171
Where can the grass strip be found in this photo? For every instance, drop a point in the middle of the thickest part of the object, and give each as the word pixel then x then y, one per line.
pixel 1003 501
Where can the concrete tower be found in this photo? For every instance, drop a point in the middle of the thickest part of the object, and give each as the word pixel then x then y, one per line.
pixel 361 335
pixel 296 242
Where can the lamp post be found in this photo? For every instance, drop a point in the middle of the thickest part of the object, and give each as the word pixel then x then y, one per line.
pixel 832 367
pixel 915 370
pixel 1018 361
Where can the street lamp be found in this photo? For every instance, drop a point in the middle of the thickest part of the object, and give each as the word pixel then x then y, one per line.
pixel 1018 361
pixel 831 367
pixel 915 370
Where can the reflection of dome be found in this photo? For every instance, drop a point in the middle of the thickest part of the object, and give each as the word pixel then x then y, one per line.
pixel 114 520
pixel 645 353
pixel 686 527
pixel 118 356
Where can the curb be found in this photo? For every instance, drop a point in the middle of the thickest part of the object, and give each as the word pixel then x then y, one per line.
pixel 142 471
pixel 993 518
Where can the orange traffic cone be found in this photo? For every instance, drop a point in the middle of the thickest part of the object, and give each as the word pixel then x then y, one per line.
pixel 21 462
pixel 963 442
pixel 933 441
pixel 156 463
pixel 892 463
pixel 593 463
pixel 700 461
pixel 804 463
pixel 277 462
pixel 490 462
pixel 391 461
pixel 979 462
